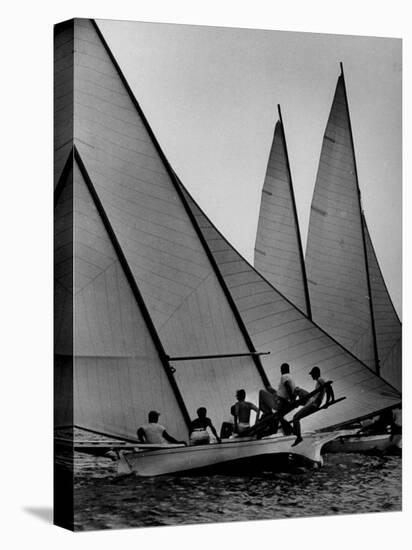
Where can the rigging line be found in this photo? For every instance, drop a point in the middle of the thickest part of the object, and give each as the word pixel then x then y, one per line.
pixel 95 277
pixel 62 145
pixel 185 298
pixel 262 279
pixel 182 190
pixel 68 290
pixel 375 344
pixel 63 177
pixel 134 287
pixel 397 341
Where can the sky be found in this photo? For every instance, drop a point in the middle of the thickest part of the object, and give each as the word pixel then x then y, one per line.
pixel 210 95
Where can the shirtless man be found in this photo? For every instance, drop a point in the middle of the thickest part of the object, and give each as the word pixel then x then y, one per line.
pixel 241 412
pixel 198 432
pixel 313 403
pixel 155 433
pixel 286 396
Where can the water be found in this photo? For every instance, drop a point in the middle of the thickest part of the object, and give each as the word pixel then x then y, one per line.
pixel 346 484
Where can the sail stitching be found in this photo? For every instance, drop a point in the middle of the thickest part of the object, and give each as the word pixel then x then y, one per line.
pixel 133 285
pixel 268 283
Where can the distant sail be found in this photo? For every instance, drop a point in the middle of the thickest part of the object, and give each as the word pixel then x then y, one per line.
pixel 339 254
pixel 335 254
pixel 276 325
pixel 387 325
pixel 278 249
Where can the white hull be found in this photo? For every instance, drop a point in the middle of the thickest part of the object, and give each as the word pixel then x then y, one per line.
pixel 363 444
pixel 183 459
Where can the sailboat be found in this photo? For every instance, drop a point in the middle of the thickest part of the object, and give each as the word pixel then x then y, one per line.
pixel 153 307
pixel 343 297
pixel 347 290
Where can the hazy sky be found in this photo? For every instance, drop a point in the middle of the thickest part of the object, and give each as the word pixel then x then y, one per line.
pixel 210 95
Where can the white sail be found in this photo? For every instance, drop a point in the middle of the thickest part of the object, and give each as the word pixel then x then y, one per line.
pixel 387 325
pixel 347 291
pixel 118 373
pixel 278 248
pixel 335 254
pixel 276 325
pixel 166 257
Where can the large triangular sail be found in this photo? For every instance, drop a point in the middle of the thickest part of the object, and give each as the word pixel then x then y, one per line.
pixel 104 352
pixel 163 250
pixel 275 324
pixel 339 257
pixel 335 254
pixel 278 248
pixel 115 356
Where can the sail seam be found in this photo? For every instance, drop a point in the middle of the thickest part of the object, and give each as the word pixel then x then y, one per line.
pixel 176 185
pixel 133 285
pixel 263 280
pixel 185 300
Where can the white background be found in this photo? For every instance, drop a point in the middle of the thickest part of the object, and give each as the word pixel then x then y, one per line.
pixel 26 270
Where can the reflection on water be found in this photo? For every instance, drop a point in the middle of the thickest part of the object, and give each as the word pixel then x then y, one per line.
pixel 346 484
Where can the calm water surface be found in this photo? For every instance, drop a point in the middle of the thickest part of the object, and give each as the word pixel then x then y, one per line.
pixel 346 484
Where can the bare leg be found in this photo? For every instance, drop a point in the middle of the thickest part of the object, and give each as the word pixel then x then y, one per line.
pixel 283 408
pixel 304 411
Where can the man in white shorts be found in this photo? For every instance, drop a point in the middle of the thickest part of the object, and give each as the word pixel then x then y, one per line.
pixel 241 412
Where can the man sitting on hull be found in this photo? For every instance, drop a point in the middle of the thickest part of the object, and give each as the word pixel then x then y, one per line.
pixel 286 396
pixel 155 433
pixel 280 402
pixel 313 404
pixel 241 412
pixel 198 431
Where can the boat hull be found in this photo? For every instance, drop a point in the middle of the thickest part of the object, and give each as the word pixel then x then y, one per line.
pixel 186 459
pixel 379 443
